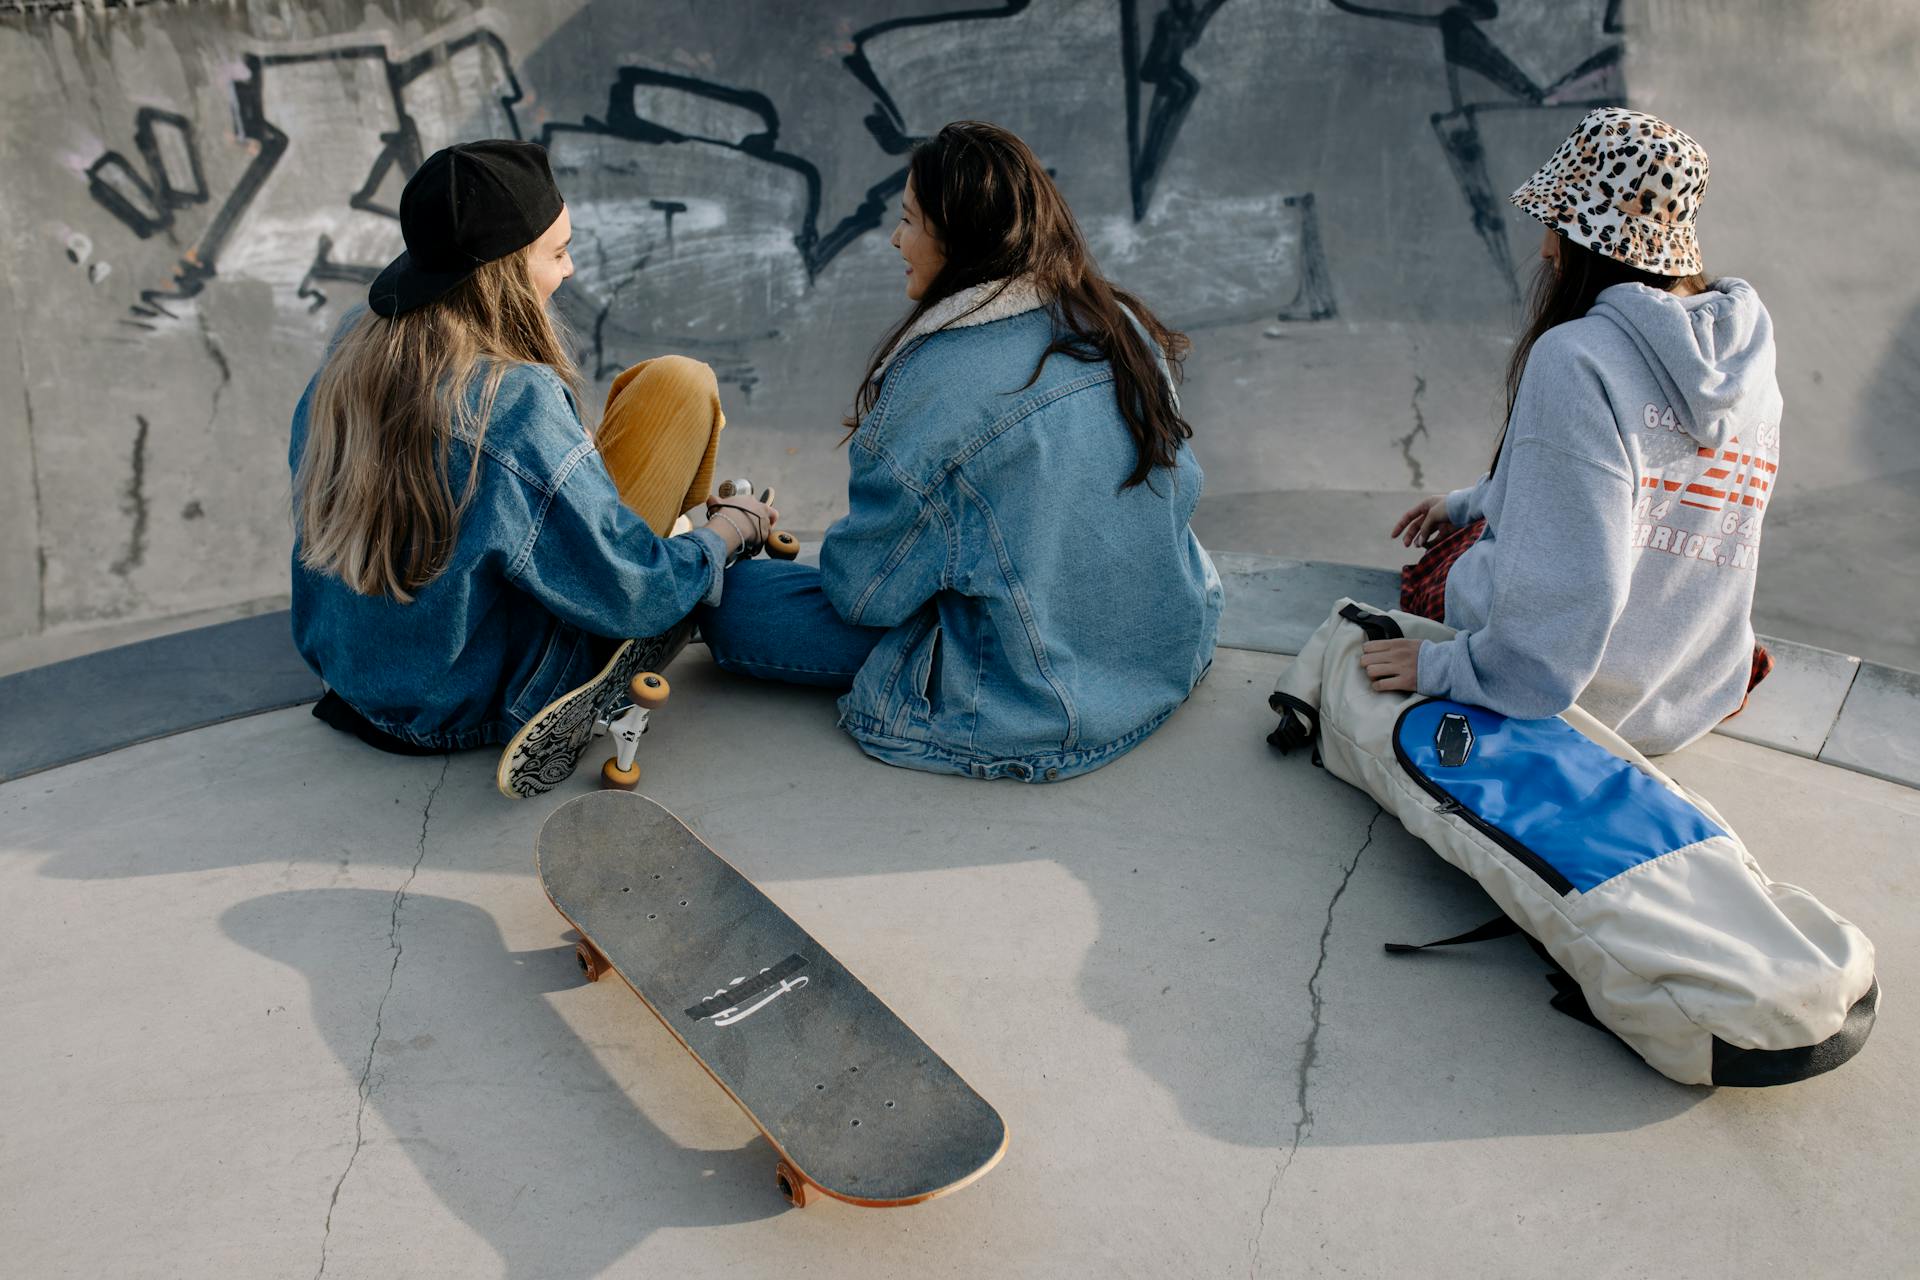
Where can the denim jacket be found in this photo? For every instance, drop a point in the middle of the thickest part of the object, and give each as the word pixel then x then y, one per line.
pixel 549 568
pixel 1043 620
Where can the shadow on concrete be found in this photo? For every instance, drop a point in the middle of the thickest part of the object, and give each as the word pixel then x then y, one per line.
pixel 506 1113
pixel 1241 900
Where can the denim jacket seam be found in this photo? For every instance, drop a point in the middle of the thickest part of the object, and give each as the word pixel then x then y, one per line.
pixel 900 696
pixel 893 561
pixel 492 451
pixel 567 467
pixel 1013 418
pixel 548 652
pixel 1017 593
pixel 898 472
pixel 973 702
pixel 889 384
pixel 453 740
pixel 873 730
pixel 1022 411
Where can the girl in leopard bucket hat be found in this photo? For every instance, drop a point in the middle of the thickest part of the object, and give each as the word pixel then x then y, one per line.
pixel 1607 557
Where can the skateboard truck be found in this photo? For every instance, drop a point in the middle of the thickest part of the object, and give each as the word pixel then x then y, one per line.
pixel 781 545
pixel 647 691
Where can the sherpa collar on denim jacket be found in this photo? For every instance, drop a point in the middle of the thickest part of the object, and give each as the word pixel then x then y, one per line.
pixel 981 304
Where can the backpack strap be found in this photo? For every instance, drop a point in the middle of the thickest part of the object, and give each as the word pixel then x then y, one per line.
pixel 1378 626
pixel 1299 724
pixel 1498 927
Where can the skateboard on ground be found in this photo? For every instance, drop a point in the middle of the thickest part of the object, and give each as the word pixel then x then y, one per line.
pixel 548 747
pixel 854 1104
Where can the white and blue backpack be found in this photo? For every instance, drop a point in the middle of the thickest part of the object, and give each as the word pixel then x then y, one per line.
pixel 1662 928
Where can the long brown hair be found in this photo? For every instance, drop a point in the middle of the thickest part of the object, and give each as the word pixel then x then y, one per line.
pixel 374 499
pixel 998 216
pixel 1565 290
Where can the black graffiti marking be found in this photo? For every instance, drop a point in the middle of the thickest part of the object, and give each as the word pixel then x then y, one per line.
pixel 400 150
pixel 133 503
pixel 1176 29
pixel 173 179
pixel 626 123
pixel 324 268
pixel 761 983
pixel 1465 47
pixel 601 368
pixel 885 122
pixel 33 8
pixel 887 125
pixel 668 208
pixel 1313 299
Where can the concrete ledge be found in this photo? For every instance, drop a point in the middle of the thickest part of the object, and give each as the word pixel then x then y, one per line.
pixel 1818 704
pixel 1795 708
pixel 1273 605
pixel 90 705
pixel 1878 729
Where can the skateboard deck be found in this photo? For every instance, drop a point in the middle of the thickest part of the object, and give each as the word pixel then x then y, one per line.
pixel 853 1102
pixel 548 747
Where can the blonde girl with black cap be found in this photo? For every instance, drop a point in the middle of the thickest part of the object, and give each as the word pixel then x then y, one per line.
pixel 466 548
pixel 1641 451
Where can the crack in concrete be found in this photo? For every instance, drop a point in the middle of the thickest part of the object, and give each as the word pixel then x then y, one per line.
pixel 1309 1047
pixel 380 1013
pixel 1405 442
pixel 133 502
pixel 219 358
pixel 39 508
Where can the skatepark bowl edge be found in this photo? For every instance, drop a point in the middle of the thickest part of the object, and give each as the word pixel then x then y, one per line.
pixel 273 1003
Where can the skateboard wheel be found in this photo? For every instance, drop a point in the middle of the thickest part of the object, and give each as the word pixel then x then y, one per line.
pixel 592 962
pixel 614 778
pixel 648 689
pixel 791 1184
pixel 782 545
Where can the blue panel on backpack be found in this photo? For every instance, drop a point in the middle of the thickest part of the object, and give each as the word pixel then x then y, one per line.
pixel 1542 785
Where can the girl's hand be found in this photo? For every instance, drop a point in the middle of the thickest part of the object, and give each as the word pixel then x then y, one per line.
pixel 1393 666
pixel 742 523
pixel 1425 522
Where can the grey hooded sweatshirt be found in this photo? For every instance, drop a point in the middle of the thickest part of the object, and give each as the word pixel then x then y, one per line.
pixel 1623 521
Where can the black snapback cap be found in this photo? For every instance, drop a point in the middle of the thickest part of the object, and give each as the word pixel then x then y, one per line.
pixel 467 205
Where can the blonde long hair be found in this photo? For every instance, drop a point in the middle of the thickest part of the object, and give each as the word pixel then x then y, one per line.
pixel 374 500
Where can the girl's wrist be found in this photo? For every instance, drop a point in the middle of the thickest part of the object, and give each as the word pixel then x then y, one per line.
pixel 735 538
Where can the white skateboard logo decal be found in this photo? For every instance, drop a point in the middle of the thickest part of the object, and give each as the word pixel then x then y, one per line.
pixel 729 1004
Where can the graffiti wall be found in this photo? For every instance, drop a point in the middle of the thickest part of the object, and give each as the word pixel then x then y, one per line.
pixel 196 192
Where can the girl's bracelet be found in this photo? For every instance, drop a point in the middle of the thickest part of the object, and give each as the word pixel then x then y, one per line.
pixel 733 524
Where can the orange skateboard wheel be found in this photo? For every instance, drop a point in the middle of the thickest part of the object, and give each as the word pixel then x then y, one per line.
pixel 613 776
pixel 791 1184
pixel 592 962
pixel 648 689
pixel 782 545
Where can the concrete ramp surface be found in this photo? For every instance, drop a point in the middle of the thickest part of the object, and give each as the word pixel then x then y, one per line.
pixel 275 1004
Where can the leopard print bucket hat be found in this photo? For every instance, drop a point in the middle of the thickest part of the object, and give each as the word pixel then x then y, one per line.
pixel 1625 184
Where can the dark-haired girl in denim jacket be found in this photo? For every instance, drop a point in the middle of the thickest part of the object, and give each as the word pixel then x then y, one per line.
pixel 1015 591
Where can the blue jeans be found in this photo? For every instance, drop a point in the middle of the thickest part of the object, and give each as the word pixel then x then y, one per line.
pixel 775 622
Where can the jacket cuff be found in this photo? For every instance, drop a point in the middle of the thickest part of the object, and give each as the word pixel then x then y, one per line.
pixel 716 548
pixel 1457 506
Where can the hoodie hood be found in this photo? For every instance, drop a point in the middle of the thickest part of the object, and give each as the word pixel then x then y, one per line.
pixel 1712 352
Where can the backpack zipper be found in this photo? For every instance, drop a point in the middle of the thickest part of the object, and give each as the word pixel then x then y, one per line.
pixel 1449 805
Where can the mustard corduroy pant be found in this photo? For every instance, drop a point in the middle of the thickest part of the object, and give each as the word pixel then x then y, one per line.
pixel 659 436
